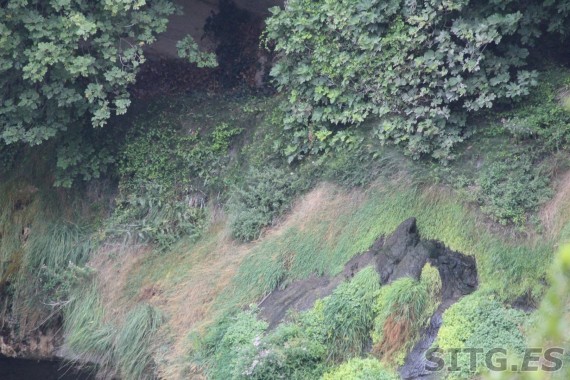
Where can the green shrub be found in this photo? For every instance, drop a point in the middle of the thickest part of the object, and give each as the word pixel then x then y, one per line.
pixel 543 119
pixel 348 315
pixel 292 351
pixel 360 369
pixel 512 185
pixel 266 194
pixel 228 345
pixel 479 321
pixel 158 215
pixel 167 176
pixel 404 309
pixel 421 67
pixel 549 321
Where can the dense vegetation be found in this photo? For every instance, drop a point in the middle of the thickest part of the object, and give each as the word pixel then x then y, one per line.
pixel 196 205
pixel 421 67
pixel 66 66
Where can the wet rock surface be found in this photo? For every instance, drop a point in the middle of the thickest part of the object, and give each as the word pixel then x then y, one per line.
pixel 301 295
pixel 402 254
pixel 38 344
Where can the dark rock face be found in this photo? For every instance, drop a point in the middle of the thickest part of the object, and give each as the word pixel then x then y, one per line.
pixel 403 254
pixel 458 272
pixel 302 294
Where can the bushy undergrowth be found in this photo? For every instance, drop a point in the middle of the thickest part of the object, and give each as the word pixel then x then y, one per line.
pixel 265 194
pixel 168 171
pixel 335 329
pixel 542 120
pixel 512 186
pixel 403 309
pixel 549 327
pixel 294 350
pixel 348 315
pixel 479 321
pixel 231 340
pixel 361 369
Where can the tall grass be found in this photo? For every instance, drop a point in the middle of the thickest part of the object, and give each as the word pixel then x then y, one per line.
pixel 339 226
pixel 134 342
pixel 87 336
pixel 403 309
pixel 43 239
pixel 348 314
pixel 123 348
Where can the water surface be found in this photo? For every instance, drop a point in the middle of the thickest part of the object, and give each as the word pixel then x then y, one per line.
pixel 20 369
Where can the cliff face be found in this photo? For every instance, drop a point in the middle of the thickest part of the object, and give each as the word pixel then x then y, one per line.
pixel 39 344
pixel 193 19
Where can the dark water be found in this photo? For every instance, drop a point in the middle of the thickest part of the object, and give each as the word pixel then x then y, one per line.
pixel 18 369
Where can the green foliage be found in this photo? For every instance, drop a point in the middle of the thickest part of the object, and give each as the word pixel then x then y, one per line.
pixel 159 215
pixel 360 369
pixel 188 48
pixel 336 328
pixel 550 328
pixel 85 155
pixel 265 194
pixel 421 67
pixel 513 185
pixel 403 310
pixel 63 61
pixel 480 321
pixel 348 315
pixel 293 351
pixel 167 176
pixel 228 342
pixel 542 120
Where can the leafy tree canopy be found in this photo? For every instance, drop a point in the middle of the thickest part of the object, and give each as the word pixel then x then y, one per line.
pixel 63 61
pixel 420 66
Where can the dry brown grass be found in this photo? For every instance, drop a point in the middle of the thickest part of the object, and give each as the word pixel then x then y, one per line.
pixel 208 268
pixel 396 332
pixel 556 213
pixel 212 264
pixel 113 263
